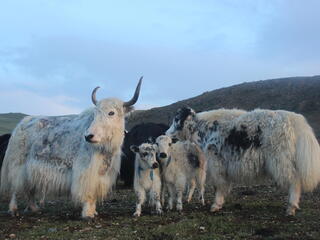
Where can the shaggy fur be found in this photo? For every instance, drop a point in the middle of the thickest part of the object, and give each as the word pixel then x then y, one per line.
pixel 50 156
pixel 278 144
pixel 147 176
pixel 182 164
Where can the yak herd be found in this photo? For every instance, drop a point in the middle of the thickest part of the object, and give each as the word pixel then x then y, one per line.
pixel 81 155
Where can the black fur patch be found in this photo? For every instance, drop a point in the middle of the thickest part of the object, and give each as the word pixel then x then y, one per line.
pixel 205 129
pixel 181 117
pixel 239 139
pixel 193 160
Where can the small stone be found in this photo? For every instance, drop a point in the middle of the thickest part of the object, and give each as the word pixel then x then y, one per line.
pixel 85 229
pixel 52 230
pixel 12 235
pixel 98 226
pixel 201 228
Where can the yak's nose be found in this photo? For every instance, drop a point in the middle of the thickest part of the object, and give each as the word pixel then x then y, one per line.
pixel 162 155
pixel 155 165
pixel 89 137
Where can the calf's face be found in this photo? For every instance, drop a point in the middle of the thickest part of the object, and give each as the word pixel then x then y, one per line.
pixel 164 143
pixel 147 155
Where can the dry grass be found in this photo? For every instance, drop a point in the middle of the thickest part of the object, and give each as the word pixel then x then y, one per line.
pixel 250 213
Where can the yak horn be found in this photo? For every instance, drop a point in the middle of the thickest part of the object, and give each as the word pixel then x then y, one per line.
pixel 93 96
pixel 135 96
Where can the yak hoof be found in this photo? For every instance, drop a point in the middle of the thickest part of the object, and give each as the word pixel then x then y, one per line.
pixel 215 208
pixel 14 213
pixel 159 211
pixel 136 214
pixel 88 219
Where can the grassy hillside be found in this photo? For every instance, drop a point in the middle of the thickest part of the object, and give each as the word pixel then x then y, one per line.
pixel 8 121
pixel 298 94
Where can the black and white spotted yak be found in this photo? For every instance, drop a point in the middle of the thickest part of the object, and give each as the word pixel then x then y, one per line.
pixel 278 144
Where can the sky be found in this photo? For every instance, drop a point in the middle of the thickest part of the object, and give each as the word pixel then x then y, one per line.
pixel 54 52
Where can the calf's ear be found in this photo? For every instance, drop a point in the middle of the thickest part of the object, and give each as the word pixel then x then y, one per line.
pixel 134 148
pixel 155 146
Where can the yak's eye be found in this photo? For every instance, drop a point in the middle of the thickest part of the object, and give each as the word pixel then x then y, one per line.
pixel 169 144
pixel 144 154
pixel 111 113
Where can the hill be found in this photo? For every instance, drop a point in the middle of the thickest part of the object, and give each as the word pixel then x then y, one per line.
pixel 298 94
pixel 8 121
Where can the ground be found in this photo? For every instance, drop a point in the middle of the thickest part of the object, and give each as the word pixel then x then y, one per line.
pixel 256 212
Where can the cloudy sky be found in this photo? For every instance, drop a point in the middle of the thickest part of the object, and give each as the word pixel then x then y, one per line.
pixel 54 52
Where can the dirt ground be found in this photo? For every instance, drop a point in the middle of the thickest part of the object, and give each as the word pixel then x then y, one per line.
pixel 256 212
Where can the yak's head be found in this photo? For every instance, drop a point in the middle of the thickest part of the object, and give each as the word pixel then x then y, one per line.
pixel 146 154
pixel 107 125
pixel 183 124
pixel 164 143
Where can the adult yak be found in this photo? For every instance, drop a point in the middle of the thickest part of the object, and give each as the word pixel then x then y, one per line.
pixel 4 140
pixel 76 154
pixel 137 135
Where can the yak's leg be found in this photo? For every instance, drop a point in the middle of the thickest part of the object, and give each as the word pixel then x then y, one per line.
pixel 13 207
pixel 218 201
pixel 179 192
pixel 201 180
pixel 171 196
pixel 163 193
pixel 157 198
pixel 294 198
pixel 89 209
pixel 191 189
pixel 32 205
pixel 141 198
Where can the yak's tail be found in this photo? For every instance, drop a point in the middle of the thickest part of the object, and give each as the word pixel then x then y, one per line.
pixel 307 156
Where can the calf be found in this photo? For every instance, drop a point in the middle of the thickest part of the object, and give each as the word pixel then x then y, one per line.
pixel 183 163
pixel 139 134
pixel 147 176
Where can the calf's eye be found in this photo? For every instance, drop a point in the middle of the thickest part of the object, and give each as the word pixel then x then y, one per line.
pixel 144 154
pixel 111 113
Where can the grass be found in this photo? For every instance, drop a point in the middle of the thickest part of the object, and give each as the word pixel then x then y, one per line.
pixel 250 213
pixel 8 121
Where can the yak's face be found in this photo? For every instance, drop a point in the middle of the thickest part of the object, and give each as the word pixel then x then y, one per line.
pixel 164 144
pixel 108 121
pixel 183 124
pixel 147 155
pixel 107 126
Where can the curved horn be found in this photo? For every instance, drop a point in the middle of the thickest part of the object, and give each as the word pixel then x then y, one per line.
pixel 93 96
pixel 135 96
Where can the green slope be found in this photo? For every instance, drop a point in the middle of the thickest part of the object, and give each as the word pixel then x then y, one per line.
pixel 8 121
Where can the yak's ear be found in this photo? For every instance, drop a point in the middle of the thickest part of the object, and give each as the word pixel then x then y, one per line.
pixel 134 148
pixel 174 140
pixel 128 109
